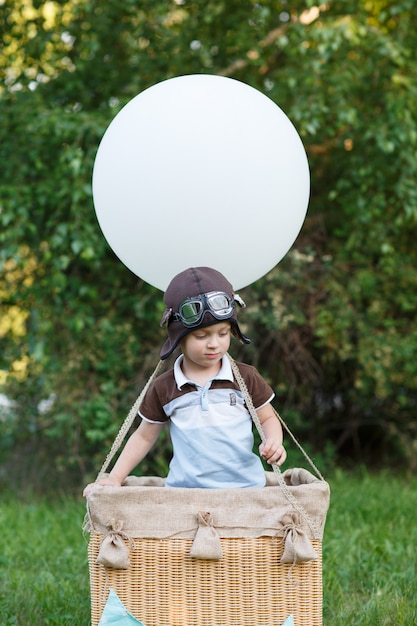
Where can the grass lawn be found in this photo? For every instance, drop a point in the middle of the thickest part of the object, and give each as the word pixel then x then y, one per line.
pixel 369 557
pixel 369 552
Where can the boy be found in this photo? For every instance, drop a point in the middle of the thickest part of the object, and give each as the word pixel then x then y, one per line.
pixel 210 426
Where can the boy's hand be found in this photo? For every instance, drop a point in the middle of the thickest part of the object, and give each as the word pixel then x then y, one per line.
pixel 105 482
pixel 273 452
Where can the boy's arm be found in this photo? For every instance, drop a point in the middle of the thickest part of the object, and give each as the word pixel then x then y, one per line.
pixel 271 449
pixel 135 450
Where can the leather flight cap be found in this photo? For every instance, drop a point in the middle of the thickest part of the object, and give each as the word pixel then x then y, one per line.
pixel 193 282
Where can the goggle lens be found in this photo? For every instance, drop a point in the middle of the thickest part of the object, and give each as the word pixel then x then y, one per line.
pixel 192 310
pixel 219 303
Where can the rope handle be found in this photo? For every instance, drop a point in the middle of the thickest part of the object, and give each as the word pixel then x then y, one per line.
pixel 255 418
pixel 249 403
pixel 127 423
pixel 299 446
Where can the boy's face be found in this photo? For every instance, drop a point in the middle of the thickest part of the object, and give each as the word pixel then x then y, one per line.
pixel 207 346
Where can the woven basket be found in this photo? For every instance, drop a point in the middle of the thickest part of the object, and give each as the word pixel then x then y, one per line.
pixel 242 580
pixel 247 586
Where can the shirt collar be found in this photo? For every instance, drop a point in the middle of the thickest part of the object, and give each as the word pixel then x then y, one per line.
pixel 225 372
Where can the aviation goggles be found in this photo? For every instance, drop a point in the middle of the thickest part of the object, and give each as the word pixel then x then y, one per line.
pixel 192 310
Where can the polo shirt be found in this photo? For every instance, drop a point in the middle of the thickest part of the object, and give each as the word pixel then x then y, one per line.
pixel 210 426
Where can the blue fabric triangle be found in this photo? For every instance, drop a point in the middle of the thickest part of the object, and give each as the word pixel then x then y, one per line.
pixel 289 621
pixel 116 613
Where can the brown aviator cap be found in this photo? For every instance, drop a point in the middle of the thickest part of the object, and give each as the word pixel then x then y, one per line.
pixel 193 283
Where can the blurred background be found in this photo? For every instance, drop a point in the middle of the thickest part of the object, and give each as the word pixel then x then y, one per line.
pixel 333 326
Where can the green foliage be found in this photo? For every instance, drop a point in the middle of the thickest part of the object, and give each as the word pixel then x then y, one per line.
pixel 332 326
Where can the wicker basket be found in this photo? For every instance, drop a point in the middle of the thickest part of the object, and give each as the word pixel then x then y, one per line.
pixel 265 565
pixel 247 586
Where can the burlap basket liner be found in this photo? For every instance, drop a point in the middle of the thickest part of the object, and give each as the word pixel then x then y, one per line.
pixel 247 586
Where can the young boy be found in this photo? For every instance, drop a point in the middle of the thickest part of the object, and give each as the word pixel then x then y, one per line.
pixel 210 426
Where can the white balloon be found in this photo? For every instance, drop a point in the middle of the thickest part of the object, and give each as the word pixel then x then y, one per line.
pixel 201 170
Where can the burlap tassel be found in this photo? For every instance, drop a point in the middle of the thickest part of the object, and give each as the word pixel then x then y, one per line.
pixel 297 547
pixel 113 551
pixel 206 544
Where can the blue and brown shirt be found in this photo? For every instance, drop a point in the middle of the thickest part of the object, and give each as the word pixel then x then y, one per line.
pixel 210 426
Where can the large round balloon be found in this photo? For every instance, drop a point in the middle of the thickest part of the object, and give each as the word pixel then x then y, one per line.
pixel 201 170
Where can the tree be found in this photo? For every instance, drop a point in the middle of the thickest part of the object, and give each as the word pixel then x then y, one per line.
pixel 333 324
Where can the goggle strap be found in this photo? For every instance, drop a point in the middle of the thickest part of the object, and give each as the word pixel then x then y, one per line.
pixel 239 300
pixel 166 316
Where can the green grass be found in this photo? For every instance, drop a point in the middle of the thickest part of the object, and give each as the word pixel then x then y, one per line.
pixel 43 563
pixel 370 552
pixel 369 557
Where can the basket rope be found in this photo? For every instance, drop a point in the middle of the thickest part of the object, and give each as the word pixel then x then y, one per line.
pixel 299 446
pixel 249 403
pixel 130 418
pixel 127 423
